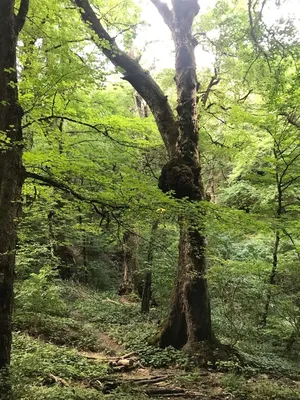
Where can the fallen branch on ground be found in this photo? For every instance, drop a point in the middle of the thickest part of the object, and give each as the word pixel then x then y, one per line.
pixel 51 379
pixel 165 391
pixel 107 385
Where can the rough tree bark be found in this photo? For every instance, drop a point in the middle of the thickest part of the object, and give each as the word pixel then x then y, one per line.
pixel 11 169
pixel 189 321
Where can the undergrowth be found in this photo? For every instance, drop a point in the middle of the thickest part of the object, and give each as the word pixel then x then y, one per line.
pixel 58 330
pixel 265 374
pixel 259 389
pixel 34 361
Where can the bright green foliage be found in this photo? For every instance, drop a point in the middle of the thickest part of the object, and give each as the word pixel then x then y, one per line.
pixel 262 389
pixel 250 141
pixel 33 363
pixel 39 292
pixel 98 164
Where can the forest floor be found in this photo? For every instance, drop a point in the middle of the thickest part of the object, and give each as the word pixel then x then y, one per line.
pixel 99 350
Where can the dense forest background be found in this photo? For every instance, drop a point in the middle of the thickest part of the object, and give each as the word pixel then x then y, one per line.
pixel 97 247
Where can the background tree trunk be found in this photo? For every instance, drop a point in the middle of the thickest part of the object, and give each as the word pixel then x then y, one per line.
pixel 147 292
pixel 130 264
pixel 279 211
pixel 272 279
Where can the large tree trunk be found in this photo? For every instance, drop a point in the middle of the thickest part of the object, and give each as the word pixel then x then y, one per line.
pixel 189 322
pixel 11 170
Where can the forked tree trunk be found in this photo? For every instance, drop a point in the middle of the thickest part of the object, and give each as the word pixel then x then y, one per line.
pixel 189 321
pixel 11 170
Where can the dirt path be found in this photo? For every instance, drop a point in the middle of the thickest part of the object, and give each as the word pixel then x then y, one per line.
pixel 159 383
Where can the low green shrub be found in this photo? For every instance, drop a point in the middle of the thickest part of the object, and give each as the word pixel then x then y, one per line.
pixel 40 293
pixel 267 390
pixel 259 389
pixel 57 330
pixel 33 359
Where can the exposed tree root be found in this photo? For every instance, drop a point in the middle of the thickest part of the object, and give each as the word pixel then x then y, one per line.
pixel 206 354
pixel 164 391
pixel 51 379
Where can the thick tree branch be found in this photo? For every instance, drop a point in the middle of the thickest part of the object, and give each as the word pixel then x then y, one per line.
pixel 57 46
pixel 292 119
pixel 213 81
pixel 262 8
pixel 67 189
pixel 290 182
pixel 100 128
pixel 245 97
pixel 258 46
pixel 186 10
pixel 128 28
pixel 139 78
pixel 165 12
pixel 293 242
pixel 21 17
pixel 213 141
pixel 284 172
